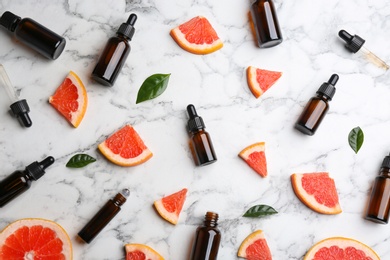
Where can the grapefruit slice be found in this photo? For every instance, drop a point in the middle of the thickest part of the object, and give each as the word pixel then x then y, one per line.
pixel 317 191
pixel 125 148
pixel 169 207
pixel 197 36
pixel 141 252
pixel 340 248
pixel 35 239
pixel 70 99
pixel 260 80
pixel 254 156
pixel 255 247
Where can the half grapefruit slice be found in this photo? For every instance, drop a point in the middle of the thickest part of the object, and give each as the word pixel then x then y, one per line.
pixel 35 239
pixel 125 148
pixel 70 99
pixel 169 207
pixel 317 191
pixel 255 247
pixel 197 36
pixel 260 80
pixel 254 156
pixel 141 252
pixel 340 248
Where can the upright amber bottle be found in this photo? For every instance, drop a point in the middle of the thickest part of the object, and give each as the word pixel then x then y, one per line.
pixel 115 54
pixel 317 107
pixel 265 23
pixel 200 143
pixel 103 217
pixel 207 239
pixel 34 35
pixel 379 205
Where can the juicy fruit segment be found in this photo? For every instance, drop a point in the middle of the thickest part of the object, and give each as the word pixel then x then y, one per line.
pixel 35 239
pixel 340 248
pixel 197 36
pixel 125 148
pixel 169 207
pixel 255 247
pixel 259 80
pixel 254 156
pixel 70 99
pixel 141 252
pixel 317 191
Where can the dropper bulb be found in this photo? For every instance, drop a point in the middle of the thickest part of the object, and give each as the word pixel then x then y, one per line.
pixel 46 162
pixel 25 119
pixel 132 19
pixel 191 111
pixel 345 35
pixel 333 79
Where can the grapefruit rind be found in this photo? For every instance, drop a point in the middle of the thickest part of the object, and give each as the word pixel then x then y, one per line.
pixel 249 240
pixel 67 250
pixel 246 152
pixel 194 48
pixel 254 86
pixel 308 199
pixel 82 100
pixel 343 243
pixel 149 252
pixel 171 217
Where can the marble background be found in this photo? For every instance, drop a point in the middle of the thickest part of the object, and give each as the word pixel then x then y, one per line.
pixel 216 85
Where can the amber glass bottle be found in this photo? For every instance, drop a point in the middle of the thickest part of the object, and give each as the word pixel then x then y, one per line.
pixel 103 217
pixel 115 54
pixel 379 205
pixel 265 23
pixel 34 35
pixel 200 143
pixel 207 239
pixel 317 107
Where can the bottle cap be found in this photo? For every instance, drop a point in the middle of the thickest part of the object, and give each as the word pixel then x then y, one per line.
pixel 386 162
pixel 127 29
pixel 37 169
pixel 20 110
pixel 353 43
pixel 195 122
pixel 9 21
pixel 327 88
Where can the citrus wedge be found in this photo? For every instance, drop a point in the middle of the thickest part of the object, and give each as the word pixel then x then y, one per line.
pixel 70 99
pixel 35 239
pixel 169 207
pixel 125 148
pixel 254 156
pixel 317 191
pixel 255 247
pixel 141 252
pixel 197 36
pixel 259 80
pixel 340 248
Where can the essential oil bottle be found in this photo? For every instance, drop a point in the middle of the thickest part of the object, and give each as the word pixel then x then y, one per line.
pixel 317 107
pixel 200 143
pixel 20 181
pixel 34 35
pixel 115 54
pixel 103 216
pixel 265 23
pixel 207 239
pixel 379 205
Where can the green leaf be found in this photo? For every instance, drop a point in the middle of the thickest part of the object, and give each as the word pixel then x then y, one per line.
pixel 356 138
pixel 259 211
pixel 152 87
pixel 80 160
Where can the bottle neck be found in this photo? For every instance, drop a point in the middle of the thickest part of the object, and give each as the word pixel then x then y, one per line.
pixel 323 97
pixel 27 175
pixel 119 200
pixel 384 172
pixel 211 219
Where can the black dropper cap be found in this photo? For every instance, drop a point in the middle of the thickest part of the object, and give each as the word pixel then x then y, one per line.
pixel 127 29
pixel 195 123
pixel 386 162
pixel 20 110
pixel 37 169
pixel 327 88
pixel 353 43
pixel 9 21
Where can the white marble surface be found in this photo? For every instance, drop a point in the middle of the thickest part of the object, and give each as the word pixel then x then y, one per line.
pixel 216 85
